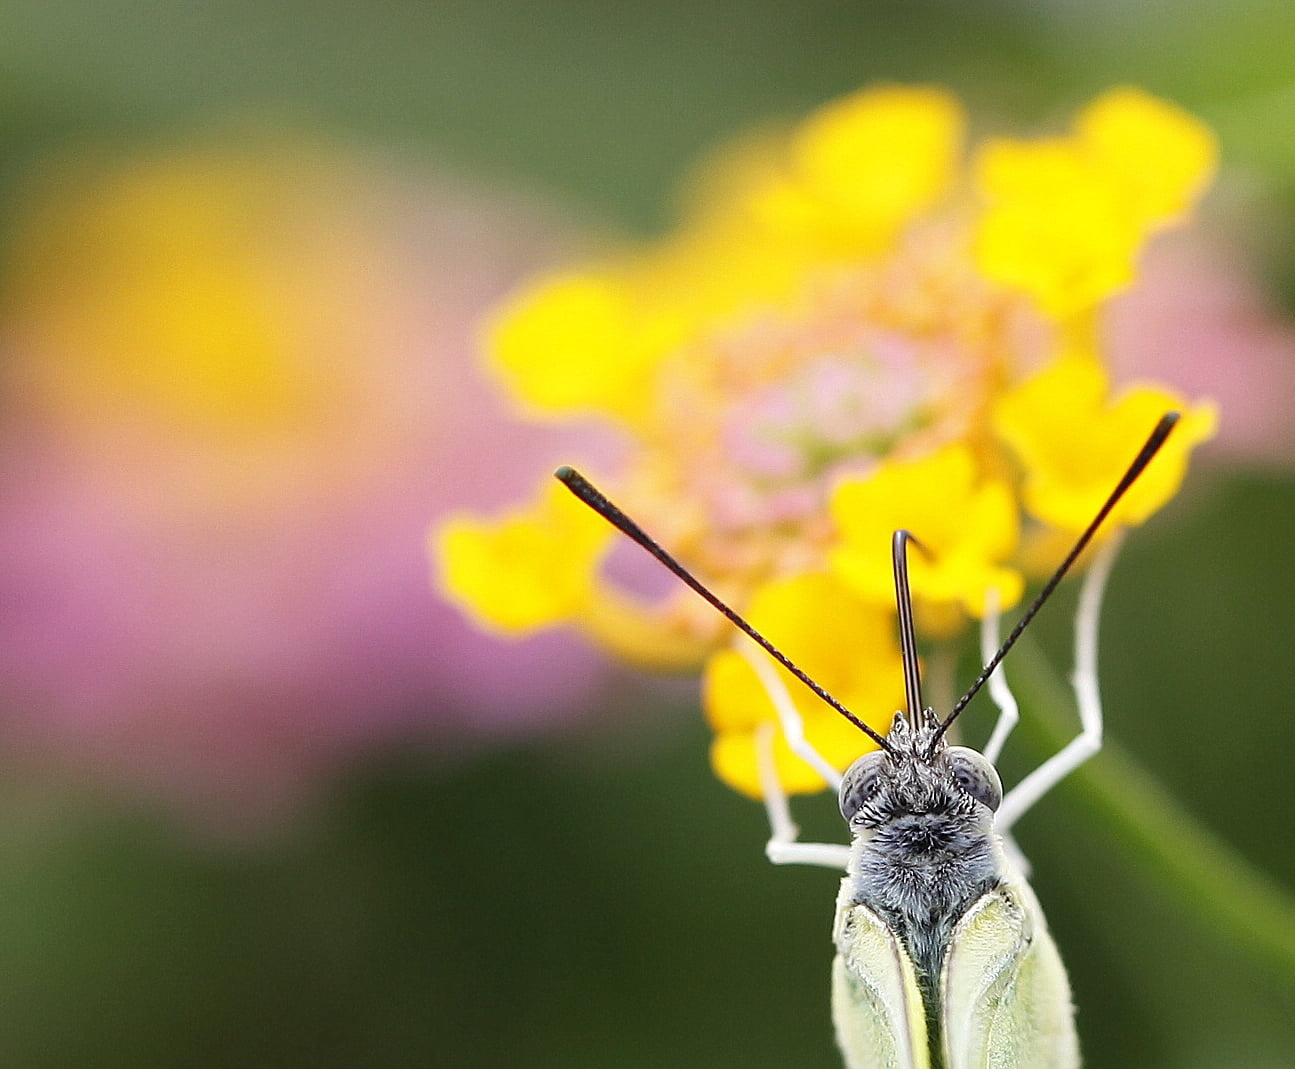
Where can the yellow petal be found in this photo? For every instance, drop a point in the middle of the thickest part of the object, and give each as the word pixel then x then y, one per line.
pixel 967 522
pixel 647 635
pixel 1162 156
pixel 1052 228
pixel 576 343
pixel 863 166
pixel 1075 442
pixel 1065 218
pixel 843 643
pixel 532 568
pixel 734 759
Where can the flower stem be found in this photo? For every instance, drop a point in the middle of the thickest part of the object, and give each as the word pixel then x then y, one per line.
pixel 1232 896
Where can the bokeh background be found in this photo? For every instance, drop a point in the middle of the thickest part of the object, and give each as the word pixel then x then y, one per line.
pixel 264 800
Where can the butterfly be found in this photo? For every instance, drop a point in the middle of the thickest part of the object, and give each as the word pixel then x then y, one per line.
pixel 943 956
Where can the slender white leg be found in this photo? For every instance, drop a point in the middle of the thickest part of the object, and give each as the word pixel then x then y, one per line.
pixel 1009 712
pixel 999 692
pixel 1087 694
pixel 782 848
pixel 789 718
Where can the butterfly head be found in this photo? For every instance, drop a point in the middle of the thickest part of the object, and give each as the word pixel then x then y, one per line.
pixel 919 776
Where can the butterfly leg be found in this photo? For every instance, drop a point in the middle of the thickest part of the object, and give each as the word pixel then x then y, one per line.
pixel 782 848
pixel 1008 714
pixel 789 718
pixel 999 692
pixel 1087 694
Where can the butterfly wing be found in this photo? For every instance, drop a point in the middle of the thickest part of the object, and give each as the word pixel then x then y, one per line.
pixel 876 1004
pixel 1006 995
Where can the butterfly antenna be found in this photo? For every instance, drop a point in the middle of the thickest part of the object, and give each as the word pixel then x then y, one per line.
pixel 596 500
pixel 907 633
pixel 1149 450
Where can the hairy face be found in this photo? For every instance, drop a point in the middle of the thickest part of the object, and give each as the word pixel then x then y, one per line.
pixel 920 780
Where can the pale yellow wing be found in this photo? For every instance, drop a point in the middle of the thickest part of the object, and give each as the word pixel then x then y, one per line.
pixel 1006 996
pixel 876 1006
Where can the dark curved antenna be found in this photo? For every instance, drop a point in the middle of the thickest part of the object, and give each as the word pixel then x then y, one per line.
pixel 594 498
pixel 1149 450
pixel 907 633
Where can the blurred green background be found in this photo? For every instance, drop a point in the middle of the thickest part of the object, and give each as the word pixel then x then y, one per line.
pixel 592 896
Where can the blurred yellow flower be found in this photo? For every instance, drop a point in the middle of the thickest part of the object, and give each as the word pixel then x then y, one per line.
pixel 861 326
pixel 231 361
pixel 177 266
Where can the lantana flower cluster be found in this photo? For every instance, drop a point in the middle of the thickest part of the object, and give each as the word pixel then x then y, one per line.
pixel 864 324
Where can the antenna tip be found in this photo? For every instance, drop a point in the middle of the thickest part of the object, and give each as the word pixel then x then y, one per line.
pixel 566 474
pixel 1167 423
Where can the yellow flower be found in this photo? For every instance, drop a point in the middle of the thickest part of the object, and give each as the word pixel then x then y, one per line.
pixel 856 330
pixel 1074 442
pixel 847 645
pixel 966 522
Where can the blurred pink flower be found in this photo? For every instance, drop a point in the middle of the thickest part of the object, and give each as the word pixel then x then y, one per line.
pixel 239 383
pixel 1199 318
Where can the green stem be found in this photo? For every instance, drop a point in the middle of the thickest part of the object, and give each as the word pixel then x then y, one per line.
pixel 1234 898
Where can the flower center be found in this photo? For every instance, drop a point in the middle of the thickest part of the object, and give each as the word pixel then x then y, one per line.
pixel 762 417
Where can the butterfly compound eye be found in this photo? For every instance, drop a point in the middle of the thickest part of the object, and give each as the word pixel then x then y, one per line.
pixel 860 783
pixel 973 774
